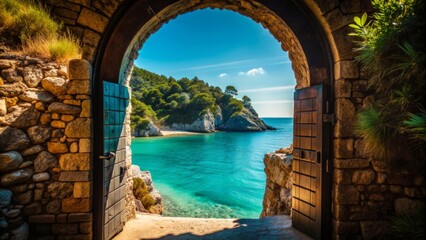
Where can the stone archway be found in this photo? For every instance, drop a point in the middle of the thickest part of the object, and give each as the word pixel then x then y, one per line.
pixel 288 23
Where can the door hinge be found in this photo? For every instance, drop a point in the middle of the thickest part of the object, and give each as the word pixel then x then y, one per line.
pixel 329 118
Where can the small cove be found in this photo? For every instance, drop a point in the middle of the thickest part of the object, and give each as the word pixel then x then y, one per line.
pixel 217 175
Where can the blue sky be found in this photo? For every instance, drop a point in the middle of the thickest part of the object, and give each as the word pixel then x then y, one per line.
pixel 224 48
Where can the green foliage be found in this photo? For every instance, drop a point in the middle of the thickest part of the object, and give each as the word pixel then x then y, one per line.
pixel 231 90
pixel 140 191
pixel 27 25
pixel 392 50
pixel 171 101
pixel 408 226
pixel 246 100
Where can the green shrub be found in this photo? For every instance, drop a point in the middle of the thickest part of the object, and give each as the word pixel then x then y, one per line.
pixel 140 191
pixel 27 25
pixel 391 49
pixel 408 226
pixel 24 20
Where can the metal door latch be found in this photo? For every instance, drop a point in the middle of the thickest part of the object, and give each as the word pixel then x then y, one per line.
pixel 107 156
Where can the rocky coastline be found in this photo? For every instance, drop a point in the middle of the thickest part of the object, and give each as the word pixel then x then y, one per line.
pixel 157 207
pixel 246 121
pixel 279 174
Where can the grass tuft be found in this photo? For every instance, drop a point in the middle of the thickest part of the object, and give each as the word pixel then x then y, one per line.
pixel 28 26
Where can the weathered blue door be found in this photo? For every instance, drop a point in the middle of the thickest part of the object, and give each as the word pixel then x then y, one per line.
pixel 116 99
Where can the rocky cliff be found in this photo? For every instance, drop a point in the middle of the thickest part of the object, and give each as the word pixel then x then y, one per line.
pixel 150 130
pixel 203 124
pixel 157 207
pixel 246 121
pixel 278 169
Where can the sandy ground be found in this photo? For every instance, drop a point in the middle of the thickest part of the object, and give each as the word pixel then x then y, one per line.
pixel 175 133
pixel 157 227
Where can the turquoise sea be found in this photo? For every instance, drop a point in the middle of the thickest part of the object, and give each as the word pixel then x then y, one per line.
pixel 216 175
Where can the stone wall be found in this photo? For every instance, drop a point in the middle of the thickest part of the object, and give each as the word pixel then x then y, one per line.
pixel 364 192
pixel 45 148
pixel 279 174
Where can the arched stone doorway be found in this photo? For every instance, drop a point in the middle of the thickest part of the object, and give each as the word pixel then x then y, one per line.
pixel 299 32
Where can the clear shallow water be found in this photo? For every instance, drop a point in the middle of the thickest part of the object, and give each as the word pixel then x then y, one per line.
pixel 217 175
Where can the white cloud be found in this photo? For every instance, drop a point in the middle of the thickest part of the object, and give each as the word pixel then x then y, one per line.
pixel 253 72
pixel 273 102
pixel 287 87
pixel 223 75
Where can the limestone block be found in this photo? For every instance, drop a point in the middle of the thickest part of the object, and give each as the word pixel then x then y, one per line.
pixel 75 161
pixel 13 213
pixel 45 118
pixel 16 177
pixel 55 85
pixel 91 38
pixel 351 163
pixel 79 128
pixel 85 145
pixel 374 229
pixel 75 205
pixel 6 63
pixel 86 227
pixel 86 109
pixel 57 147
pixel 363 176
pixel 342 176
pixel 74 147
pixel 22 117
pixel 342 88
pixel 3 107
pixel 54 206
pixel 72 102
pixel 5 198
pixel 408 206
pixel 12 90
pixel 39 134
pixel 23 198
pixel 346 194
pixel 12 101
pixel 92 20
pixel 10 160
pixel 11 75
pixel 41 177
pixel 44 218
pixel 79 87
pixel 345 115
pixel 74 176
pixel 32 76
pixel 67 118
pixel 381 178
pixel 79 69
pixel 32 95
pixel 59 190
pixel 58 107
pixel 51 73
pixel 82 190
pixel 58 124
pixel 65 228
pixel 343 148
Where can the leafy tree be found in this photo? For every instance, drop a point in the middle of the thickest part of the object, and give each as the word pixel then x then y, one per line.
pixel 231 90
pixel 246 100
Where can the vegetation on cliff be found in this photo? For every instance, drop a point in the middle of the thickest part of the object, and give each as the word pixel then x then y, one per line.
pixel 392 50
pixel 141 192
pixel 166 101
pixel 27 26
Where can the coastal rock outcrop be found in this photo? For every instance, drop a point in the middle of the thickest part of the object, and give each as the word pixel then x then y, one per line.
pixel 246 121
pixel 150 130
pixel 278 169
pixel 155 196
pixel 204 124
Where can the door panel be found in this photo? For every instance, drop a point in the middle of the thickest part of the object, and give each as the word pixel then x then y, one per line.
pixel 116 100
pixel 307 160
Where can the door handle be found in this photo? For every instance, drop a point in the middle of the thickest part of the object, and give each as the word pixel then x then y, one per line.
pixel 107 156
